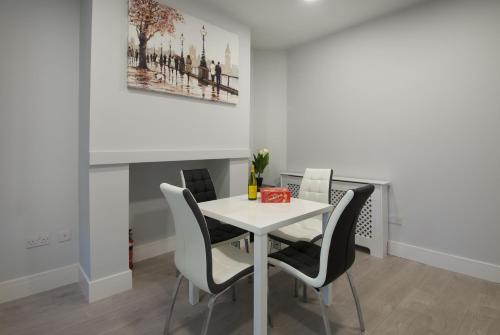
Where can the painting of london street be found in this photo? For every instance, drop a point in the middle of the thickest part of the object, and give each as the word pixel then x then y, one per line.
pixel 173 52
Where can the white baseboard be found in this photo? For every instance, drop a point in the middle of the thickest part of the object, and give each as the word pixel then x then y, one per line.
pixel 39 282
pixel 467 266
pixel 153 249
pixel 105 287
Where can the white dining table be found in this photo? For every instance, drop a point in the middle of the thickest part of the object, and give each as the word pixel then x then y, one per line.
pixel 261 219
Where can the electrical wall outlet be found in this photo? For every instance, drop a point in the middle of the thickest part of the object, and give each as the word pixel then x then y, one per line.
pixel 64 235
pixel 39 240
pixel 395 220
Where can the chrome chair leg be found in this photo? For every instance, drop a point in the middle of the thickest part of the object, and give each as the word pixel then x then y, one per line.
pixel 323 312
pixel 176 290
pixel 211 303
pixel 247 249
pixel 356 300
pixel 247 245
pixel 304 293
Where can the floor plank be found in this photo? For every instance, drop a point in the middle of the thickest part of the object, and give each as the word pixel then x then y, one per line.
pixel 397 296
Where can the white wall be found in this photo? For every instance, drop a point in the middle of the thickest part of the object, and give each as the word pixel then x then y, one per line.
pixel 123 119
pixel 269 102
pixel 38 133
pixel 108 216
pixel 413 98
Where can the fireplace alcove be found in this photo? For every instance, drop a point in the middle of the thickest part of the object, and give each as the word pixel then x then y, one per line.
pixel 149 215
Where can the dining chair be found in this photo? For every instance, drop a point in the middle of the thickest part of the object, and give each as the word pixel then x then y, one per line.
pixel 315 186
pixel 212 269
pixel 318 266
pixel 199 182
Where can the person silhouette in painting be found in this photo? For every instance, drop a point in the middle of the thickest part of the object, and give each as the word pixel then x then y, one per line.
pixel 212 71
pixel 218 74
pixel 176 62
pixel 181 66
pixel 165 62
pixel 136 56
pixel 189 66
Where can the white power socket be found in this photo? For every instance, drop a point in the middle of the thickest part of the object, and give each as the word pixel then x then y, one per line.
pixel 64 235
pixel 396 220
pixel 41 239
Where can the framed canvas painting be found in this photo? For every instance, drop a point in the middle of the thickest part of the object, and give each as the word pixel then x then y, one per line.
pixel 172 52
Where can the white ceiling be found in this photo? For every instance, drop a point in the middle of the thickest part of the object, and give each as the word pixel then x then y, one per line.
pixel 280 24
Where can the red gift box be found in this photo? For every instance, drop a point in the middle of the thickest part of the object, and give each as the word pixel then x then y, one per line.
pixel 274 195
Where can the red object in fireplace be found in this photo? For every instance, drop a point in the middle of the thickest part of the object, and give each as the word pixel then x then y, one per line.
pixel 274 195
pixel 130 250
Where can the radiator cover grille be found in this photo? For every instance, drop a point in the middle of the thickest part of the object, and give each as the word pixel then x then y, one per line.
pixel 364 226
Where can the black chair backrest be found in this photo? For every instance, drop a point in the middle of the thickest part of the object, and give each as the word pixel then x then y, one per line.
pixel 342 246
pixel 200 184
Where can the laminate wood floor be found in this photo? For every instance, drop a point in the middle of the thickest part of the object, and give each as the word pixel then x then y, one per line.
pixel 397 296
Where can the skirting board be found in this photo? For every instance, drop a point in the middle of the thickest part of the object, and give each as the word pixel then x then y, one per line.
pixel 39 282
pixel 98 289
pixel 104 287
pixel 153 249
pixel 467 266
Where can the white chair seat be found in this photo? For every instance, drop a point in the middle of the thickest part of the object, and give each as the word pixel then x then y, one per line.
pixel 227 261
pixel 305 230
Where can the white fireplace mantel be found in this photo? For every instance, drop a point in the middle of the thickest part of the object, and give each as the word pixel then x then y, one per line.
pixel 104 271
pixel 145 156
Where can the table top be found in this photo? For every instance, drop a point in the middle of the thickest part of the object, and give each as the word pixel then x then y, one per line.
pixel 261 218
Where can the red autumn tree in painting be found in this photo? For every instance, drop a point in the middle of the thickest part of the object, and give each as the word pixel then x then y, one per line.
pixel 149 18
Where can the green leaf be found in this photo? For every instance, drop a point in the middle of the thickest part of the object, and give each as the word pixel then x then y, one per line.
pixel 260 162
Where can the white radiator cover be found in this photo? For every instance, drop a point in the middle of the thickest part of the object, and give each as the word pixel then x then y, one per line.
pixel 372 226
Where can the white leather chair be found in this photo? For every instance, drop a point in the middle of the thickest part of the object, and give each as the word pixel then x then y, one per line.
pixel 213 270
pixel 318 266
pixel 199 183
pixel 315 186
